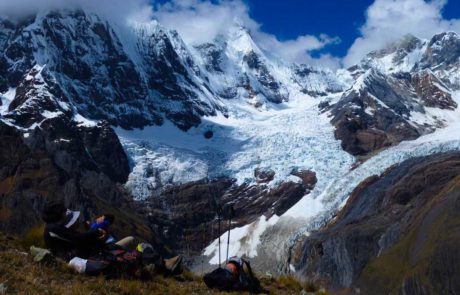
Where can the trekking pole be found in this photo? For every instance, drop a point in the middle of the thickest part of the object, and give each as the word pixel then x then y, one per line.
pixel 228 238
pixel 204 246
pixel 229 212
pixel 219 211
pixel 218 219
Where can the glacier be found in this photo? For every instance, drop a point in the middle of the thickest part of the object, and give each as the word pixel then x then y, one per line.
pixel 288 137
pixel 226 108
pixel 294 134
pixel 328 197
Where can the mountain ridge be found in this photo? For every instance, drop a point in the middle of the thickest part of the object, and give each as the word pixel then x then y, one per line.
pixel 189 116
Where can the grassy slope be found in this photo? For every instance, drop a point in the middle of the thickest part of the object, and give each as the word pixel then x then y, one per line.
pixel 21 275
pixel 412 256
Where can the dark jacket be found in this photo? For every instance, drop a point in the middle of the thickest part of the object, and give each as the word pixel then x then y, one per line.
pixel 68 243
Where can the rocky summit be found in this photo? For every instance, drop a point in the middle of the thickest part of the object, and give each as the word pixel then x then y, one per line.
pixel 345 177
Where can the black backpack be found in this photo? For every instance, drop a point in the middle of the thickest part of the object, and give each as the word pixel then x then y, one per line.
pixel 114 263
pixel 224 280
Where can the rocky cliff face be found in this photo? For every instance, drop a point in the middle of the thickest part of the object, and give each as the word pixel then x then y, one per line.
pixel 85 63
pixel 64 162
pixel 186 216
pixel 397 234
pixel 396 93
pixel 238 126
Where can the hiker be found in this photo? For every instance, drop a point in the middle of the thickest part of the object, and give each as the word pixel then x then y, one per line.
pixel 63 239
pixel 89 253
pixel 103 222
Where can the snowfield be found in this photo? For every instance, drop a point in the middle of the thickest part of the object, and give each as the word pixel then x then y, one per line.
pixel 6 98
pixel 291 136
pixel 267 112
pixel 243 241
pixel 330 195
pixel 284 137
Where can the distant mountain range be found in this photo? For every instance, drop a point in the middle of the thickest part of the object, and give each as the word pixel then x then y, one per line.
pixel 131 117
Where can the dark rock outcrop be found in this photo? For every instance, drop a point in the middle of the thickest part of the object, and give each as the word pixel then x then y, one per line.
pixel 364 126
pixel 398 233
pixel 103 146
pixel 184 213
pixel 375 116
pixel 264 175
pixel 308 177
pixel 60 161
pixel 432 91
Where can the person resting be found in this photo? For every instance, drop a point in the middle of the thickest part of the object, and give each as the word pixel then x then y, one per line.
pixel 103 222
pixel 88 252
pixel 62 237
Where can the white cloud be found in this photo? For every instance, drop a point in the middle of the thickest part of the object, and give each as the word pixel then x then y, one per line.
pixel 200 21
pixel 297 50
pixel 197 21
pixel 120 10
pixel 388 20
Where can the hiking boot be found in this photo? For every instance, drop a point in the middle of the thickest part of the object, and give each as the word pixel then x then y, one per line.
pixel 42 255
pixel 148 272
pixel 173 264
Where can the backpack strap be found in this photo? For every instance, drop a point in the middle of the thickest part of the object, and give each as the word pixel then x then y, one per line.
pixel 248 265
pixel 56 236
pixel 253 282
pixel 242 278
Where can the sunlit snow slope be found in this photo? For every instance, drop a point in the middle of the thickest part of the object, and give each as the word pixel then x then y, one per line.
pixel 297 133
pixel 289 136
pixel 188 112
pixel 336 181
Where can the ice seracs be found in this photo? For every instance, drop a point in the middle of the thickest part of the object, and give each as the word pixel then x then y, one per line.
pixel 227 108
pixel 388 85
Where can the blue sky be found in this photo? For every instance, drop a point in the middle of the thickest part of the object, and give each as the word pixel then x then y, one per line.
pixel 452 10
pixel 330 33
pixel 341 18
pixel 289 19
pixel 327 33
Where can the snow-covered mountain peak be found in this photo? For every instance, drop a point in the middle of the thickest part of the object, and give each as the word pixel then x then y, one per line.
pixel 147 29
pixel 239 39
pixel 228 108
pixel 440 54
pixel 443 52
pixel 131 77
pixel 444 39
pixel 400 56
pixel 407 44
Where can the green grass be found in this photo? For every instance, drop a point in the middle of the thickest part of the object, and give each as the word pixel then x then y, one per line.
pixel 33 237
pixel 21 275
pixel 388 271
